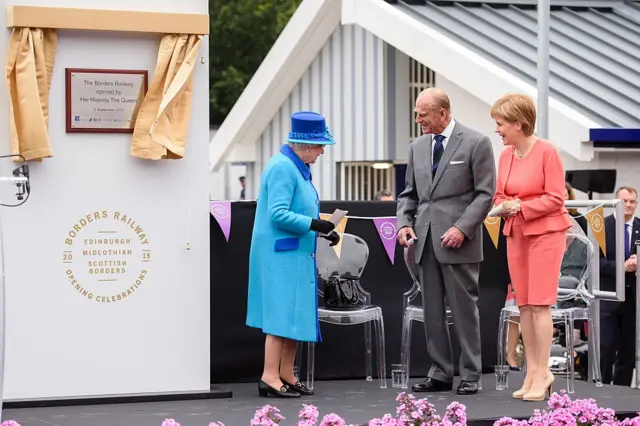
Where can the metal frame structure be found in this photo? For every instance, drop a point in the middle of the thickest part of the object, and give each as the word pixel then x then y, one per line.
pixel 594 278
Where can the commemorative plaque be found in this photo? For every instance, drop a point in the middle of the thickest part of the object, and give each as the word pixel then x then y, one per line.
pixel 104 101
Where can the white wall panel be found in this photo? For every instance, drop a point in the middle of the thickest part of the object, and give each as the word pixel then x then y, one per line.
pixel 345 84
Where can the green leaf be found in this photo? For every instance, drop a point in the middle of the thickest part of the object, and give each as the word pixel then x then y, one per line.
pixel 242 32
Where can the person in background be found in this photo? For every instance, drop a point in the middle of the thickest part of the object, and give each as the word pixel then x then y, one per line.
pixel 530 189
pixel 569 194
pixel 618 319
pixel 243 185
pixel 384 195
pixel 282 297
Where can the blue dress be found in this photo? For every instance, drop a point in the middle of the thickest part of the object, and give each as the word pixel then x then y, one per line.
pixel 282 298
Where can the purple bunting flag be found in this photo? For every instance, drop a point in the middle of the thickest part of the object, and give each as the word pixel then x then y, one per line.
pixel 386 227
pixel 221 210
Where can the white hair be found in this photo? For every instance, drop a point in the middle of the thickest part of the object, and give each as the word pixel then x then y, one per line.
pixel 297 146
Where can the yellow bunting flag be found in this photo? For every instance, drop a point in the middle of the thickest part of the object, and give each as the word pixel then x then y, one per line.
pixel 595 219
pixel 493 227
pixel 339 229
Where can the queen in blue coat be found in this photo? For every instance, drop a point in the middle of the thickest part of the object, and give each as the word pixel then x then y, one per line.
pixel 283 299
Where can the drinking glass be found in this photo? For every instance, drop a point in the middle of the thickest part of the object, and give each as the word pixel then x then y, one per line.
pixel 502 375
pixel 399 376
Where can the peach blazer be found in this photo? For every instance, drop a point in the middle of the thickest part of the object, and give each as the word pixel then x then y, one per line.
pixel 538 181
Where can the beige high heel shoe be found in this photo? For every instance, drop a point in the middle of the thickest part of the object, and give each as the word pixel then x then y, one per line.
pixel 540 395
pixel 519 394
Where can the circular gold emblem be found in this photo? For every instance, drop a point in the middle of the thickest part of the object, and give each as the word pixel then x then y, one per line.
pixel 106 256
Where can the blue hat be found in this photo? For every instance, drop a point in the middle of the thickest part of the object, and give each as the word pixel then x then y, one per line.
pixel 309 127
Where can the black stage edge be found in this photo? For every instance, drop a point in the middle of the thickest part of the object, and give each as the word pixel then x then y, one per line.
pixel 213 393
pixel 237 350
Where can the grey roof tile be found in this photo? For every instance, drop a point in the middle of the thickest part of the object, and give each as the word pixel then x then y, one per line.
pixel 594 51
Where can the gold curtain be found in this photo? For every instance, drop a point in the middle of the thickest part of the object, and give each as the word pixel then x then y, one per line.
pixel 163 120
pixel 30 62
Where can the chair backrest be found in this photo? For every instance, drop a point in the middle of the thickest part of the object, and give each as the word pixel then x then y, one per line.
pixel 354 255
pixel 410 261
pixel 576 263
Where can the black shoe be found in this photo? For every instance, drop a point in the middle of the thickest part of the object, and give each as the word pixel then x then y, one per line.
pixel 467 388
pixel 298 387
pixel 432 385
pixel 284 392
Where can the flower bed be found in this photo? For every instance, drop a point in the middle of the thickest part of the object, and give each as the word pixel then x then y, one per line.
pixel 562 411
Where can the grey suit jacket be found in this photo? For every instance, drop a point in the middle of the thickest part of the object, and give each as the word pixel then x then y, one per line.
pixel 460 194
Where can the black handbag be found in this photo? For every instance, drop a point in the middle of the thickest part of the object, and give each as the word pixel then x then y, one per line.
pixel 341 294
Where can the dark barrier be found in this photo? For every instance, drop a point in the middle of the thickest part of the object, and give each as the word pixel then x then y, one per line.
pixel 237 350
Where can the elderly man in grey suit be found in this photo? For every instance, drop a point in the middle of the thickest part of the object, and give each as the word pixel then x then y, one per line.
pixel 450 184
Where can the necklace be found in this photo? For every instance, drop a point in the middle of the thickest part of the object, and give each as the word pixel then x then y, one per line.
pixel 522 154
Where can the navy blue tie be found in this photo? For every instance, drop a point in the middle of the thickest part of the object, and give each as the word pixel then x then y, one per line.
pixel 438 150
pixel 627 248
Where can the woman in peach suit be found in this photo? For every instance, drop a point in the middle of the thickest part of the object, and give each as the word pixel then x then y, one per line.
pixel 531 189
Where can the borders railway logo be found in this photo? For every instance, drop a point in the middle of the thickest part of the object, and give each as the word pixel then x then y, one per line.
pixel 106 256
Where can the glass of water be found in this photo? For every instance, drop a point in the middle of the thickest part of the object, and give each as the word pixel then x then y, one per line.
pixel 502 375
pixel 399 376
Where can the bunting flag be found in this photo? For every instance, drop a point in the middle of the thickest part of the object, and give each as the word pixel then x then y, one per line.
pixel 493 228
pixel 221 210
pixel 595 219
pixel 339 229
pixel 386 227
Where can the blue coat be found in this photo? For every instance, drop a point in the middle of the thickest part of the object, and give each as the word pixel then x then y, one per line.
pixel 283 276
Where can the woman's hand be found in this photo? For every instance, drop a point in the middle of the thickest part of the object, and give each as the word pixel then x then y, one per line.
pixel 322 226
pixel 511 207
pixel 333 237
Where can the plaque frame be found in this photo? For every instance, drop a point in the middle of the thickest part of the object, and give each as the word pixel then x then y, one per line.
pixel 68 96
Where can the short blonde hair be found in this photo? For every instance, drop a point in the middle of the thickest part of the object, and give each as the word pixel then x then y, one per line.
pixel 516 108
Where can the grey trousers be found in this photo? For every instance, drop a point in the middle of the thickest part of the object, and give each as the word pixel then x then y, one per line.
pixel 459 283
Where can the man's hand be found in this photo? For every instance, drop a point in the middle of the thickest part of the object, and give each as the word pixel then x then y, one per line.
pixel 404 234
pixel 453 238
pixel 631 265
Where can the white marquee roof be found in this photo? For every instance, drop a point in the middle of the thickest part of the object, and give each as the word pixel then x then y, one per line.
pixel 316 20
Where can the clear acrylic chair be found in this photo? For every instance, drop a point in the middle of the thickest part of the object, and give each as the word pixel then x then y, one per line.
pixel 352 261
pixel 412 313
pixel 576 266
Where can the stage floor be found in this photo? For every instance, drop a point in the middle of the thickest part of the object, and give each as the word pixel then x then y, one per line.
pixel 356 401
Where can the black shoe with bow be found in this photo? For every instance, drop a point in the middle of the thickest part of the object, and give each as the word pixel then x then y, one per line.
pixel 284 392
pixel 298 387
pixel 467 388
pixel 432 385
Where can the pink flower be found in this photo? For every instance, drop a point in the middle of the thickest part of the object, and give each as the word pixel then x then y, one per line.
pixel 267 416
pixel 167 422
pixel 332 420
pixel 308 416
pixel 9 423
pixel 386 420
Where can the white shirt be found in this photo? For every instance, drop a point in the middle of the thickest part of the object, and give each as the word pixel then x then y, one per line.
pixel 629 230
pixel 447 134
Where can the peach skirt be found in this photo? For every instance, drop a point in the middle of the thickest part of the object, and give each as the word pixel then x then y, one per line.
pixel 534 266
